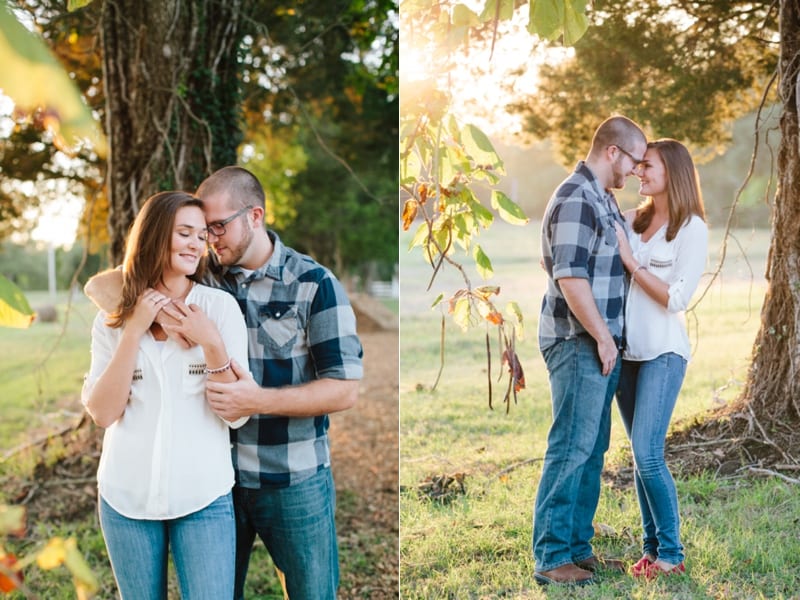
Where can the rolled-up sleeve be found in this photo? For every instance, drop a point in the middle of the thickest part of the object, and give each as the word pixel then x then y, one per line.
pixel 690 263
pixel 332 338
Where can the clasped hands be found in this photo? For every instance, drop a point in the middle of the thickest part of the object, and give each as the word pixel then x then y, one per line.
pixel 189 326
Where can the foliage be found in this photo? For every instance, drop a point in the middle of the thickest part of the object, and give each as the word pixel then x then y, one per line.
pixel 34 79
pixel 335 109
pixel 441 159
pixel 55 553
pixel 14 308
pixel 684 71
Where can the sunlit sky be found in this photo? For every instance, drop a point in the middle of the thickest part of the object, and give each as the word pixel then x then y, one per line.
pixel 482 82
pixel 56 219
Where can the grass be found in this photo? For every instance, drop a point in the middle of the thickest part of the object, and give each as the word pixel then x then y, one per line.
pixel 740 534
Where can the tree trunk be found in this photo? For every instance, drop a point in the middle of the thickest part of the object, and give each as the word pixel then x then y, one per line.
pixel 773 386
pixel 172 99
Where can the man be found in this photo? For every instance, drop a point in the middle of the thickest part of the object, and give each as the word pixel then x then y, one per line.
pixel 305 359
pixel 580 336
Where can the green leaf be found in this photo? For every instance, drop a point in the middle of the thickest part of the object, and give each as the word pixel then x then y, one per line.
pixel 14 308
pixel 410 168
pixel 420 235
pixel 500 9
pixel 33 78
pixel 482 261
pixel 575 21
pixel 76 4
pixel 461 313
pixel 546 18
pixel 482 215
pixel 550 19
pixel 508 209
pixel 438 300
pixel 480 149
pixel 12 519
pixel 463 16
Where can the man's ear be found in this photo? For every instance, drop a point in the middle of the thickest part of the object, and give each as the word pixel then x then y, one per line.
pixel 258 216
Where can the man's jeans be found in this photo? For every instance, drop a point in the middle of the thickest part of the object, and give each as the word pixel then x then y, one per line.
pixel 569 488
pixel 297 526
pixel 202 545
pixel 646 398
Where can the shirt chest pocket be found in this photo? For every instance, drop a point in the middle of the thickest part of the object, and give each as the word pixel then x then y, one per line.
pixel 606 242
pixel 661 259
pixel 278 326
pixel 194 373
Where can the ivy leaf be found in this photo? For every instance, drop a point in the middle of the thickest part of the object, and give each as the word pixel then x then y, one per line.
pixel 508 209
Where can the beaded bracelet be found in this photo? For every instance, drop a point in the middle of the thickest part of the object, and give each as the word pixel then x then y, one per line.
pixel 221 369
pixel 636 270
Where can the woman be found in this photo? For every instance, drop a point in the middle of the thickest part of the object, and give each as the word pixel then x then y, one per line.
pixel 665 257
pixel 165 473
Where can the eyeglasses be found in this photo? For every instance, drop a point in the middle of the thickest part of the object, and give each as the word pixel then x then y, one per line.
pixel 636 161
pixel 217 228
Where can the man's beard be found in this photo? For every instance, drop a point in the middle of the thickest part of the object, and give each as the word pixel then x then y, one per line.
pixel 235 252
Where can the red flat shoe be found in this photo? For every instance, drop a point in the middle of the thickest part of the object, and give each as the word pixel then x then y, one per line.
pixel 654 571
pixel 640 568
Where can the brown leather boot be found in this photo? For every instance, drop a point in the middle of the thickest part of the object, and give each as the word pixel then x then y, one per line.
pixel 594 564
pixel 564 575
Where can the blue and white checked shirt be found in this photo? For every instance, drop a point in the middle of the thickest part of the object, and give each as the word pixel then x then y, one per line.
pixel 579 240
pixel 300 328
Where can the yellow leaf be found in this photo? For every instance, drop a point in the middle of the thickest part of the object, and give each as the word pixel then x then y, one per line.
pixel 12 520
pixel 52 555
pixel 85 581
pixel 33 78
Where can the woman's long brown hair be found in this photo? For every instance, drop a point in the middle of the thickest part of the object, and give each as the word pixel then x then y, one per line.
pixel 148 250
pixel 684 197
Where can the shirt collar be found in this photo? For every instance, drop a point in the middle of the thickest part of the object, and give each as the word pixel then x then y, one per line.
pixel 273 268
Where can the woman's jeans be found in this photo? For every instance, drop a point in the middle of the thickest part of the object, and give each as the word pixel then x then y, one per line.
pixel 646 398
pixel 296 524
pixel 569 488
pixel 203 546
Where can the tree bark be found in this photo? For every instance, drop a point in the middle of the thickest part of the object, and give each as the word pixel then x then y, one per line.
pixel 773 386
pixel 172 99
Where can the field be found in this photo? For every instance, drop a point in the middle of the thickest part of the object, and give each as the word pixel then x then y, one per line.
pixel 740 533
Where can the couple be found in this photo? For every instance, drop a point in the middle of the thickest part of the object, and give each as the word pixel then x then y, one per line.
pixel 617 285
pixel 170 380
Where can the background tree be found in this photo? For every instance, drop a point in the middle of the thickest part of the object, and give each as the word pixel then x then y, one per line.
pixel 180 85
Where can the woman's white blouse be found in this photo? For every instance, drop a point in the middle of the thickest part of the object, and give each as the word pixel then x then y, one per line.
pixel 651 329
pixel 168 455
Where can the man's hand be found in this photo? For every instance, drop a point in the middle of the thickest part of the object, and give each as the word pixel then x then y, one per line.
pixel 608 353
pixel 231 401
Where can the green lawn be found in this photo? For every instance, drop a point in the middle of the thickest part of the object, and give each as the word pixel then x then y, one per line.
pixel 740 535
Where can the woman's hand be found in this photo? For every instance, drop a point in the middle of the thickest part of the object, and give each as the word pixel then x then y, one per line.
pixel 625 250
pixel 147 306
pixel 194 325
